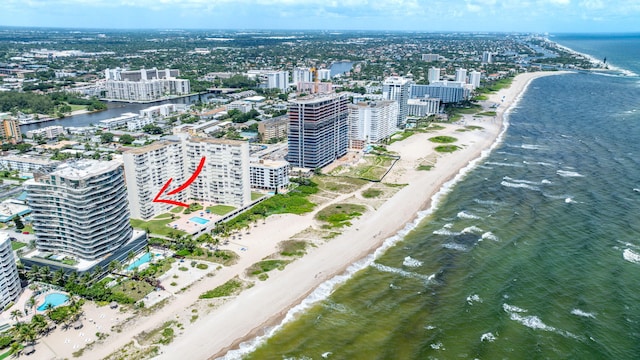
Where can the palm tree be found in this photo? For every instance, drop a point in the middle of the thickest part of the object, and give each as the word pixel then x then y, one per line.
pixel 30 303
pixel 16 315
pixel 58 277
pixel 44 273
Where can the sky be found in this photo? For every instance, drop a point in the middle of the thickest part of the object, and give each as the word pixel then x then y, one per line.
pixel 552 16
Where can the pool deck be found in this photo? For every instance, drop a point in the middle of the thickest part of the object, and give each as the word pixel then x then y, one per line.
pixel 187 225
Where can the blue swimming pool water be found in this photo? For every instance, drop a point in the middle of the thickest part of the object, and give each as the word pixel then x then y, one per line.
pixel 54 299
pixel 142 260
pixel 199 220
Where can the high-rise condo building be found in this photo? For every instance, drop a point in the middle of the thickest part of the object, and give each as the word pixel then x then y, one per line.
pixel 487 57
pixel 433 75
pixel 9 280
pixel 224 178
pixel 318 130
pixel 461 75
pixel 301 75
pixel 80 209
pixel 397 88
pixel 430 57
pixel 147 169
pixel 371 122
pixel 474 79
pixel 144 84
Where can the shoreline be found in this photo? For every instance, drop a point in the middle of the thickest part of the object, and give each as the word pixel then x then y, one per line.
pixel 244 320
pixel 415 209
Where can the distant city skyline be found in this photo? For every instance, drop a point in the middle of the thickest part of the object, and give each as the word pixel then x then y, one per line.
pixel 407 15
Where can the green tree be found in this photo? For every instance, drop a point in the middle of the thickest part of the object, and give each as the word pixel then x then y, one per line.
pixel 106 137
pixel 126 139
pixel 23 147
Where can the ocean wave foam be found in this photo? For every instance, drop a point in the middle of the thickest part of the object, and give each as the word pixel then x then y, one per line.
pixel 545 181
pixel 446 232
pixel 489 236
pixel 466 215
pixel 565 173
pixel 411 262
pixel 579 312
pixel 520 181
pixel 471 230
pixel 502 164
pixel 631 256
pixel 519 186
pixel 532 321
pixel 408 274
pixel 488 337
pixel 531 147
pixel 437 346
pixel 473 298
pixel 430 327
pixel 486 202
pixel 569 200
pixel 454 246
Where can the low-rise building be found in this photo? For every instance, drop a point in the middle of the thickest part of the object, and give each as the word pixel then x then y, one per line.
pixel 27 163
pixel 269 175
pixel 274 128
pixel 49 132
pixel 119 121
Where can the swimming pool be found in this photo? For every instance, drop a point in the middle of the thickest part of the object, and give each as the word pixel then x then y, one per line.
pixel 199 220
pixel 142 260
pixel 54 299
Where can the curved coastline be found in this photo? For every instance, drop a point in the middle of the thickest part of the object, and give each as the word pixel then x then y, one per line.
pixel 261 309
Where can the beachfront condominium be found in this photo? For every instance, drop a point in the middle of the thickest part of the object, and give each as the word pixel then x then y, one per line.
pixel 397 88
pixel 9 279
pixel 318 130
pixel 424 106
pixel 371 122
pixel 80 209
pixel 144 84
pixel 433 75
pixel 224 178
pixel 269 174
pixel 146 170
pixel 446 91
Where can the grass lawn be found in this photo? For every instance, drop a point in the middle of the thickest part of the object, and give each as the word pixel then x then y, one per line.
pixel 220 209
pixel 158 227
pixel 425 167
pixel 133 289
pixel 338 215
pixel 5 355
pixel 177 209
pixel 256 195
pixel 339 184
pixel 77 107
pixel 487 113
pixel 15 245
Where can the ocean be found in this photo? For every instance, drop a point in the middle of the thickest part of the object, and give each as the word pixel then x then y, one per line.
pixel 533 254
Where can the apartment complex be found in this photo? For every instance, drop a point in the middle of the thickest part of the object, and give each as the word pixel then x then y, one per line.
pixel 269 175
pixel 318 130
pixel 371 122
pixel 274 128
pixel 446 91
pixel 423 106
pixel 80 209
pixel 224 178
pixel 144 85
pixel 49 132
pixel 9 280
pixel 27 163
pixel 474 79
pixel 146 171
pixel 10 130
pixel 433 75
pixel 397 88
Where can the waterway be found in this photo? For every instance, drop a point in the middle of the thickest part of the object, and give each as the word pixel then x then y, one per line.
pixel 340 67
pixel 114 109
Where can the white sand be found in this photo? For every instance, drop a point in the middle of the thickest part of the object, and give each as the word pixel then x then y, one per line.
pixel 266 303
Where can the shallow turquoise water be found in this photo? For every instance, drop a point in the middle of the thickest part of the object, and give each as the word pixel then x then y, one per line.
pixel 55 299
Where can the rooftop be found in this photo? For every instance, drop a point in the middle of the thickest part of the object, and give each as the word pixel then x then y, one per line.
pixel 82 169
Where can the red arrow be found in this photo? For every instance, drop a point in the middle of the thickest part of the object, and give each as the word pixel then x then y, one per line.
pixel 180 188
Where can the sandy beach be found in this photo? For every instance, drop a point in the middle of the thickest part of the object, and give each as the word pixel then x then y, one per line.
pixel 224 325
